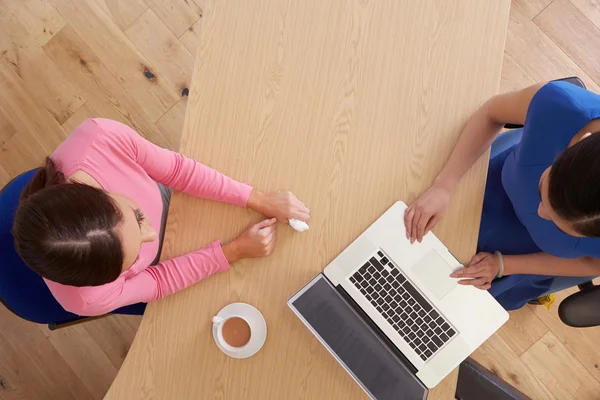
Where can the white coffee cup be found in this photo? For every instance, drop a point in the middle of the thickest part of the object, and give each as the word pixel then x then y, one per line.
pixel 219 322
pixel 254 319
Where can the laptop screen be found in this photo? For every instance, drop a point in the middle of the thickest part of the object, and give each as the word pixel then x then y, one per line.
pixel 355 344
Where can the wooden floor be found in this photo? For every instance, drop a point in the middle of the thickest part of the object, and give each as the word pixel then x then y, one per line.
pixel 62 61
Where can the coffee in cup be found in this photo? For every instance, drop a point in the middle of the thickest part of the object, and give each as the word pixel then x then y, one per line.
pixel 235 332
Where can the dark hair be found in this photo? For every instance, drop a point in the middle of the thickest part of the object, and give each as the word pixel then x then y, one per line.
pixel 66 231
pixel 574 186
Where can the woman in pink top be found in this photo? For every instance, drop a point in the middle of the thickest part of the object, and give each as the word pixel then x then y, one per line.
pixel 88 221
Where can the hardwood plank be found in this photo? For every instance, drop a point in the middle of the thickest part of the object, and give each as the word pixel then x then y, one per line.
pixel 110 45
pixel 190 37
pixel 539 56
pixel 7 129
pixel 582 343
pixel 170 58
pixel 41 77
pixel 123 12
pixel 85 357
pixel 4 177
pixel 522 330
pixel 38 17
pixel 171 124
pixel 556 367
pixel 177 15
pixel 21 153
pixel 103 92
pixel 38 134
pixel 30 367
pixel 589 8
pixel 531 8
pixel 574 34
pixel 499 358
pixel 514 76
pixel 85 111
pixel 114 334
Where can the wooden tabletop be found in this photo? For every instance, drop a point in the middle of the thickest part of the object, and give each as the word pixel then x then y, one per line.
pixel 351 105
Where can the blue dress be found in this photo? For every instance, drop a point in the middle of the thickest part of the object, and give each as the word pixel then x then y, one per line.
pixel 510 223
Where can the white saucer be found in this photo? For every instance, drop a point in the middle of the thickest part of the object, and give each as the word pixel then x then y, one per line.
pixel 257 324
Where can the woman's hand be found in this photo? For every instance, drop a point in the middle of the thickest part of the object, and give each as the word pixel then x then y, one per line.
pixel 482 270
pixel 422 215
pixel 280 205
pixel 256 241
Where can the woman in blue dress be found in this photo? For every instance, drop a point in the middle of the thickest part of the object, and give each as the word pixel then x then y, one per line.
pixel 540 227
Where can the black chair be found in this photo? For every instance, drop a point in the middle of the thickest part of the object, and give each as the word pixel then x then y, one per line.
pixel 580 309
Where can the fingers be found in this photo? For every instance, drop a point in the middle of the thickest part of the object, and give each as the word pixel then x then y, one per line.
pixel 484 287
pixel 471 272
pixel 265 223
pixel 408 217
pixel 297 209
pixel 423 222
pixel 413 229
pixel 477 258
pixel 300 215
pixel 474 282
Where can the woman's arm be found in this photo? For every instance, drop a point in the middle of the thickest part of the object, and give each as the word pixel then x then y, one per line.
pixel 545 264
pixel 476 137
pixel 192 177
pixel 173 275
pixel 484 267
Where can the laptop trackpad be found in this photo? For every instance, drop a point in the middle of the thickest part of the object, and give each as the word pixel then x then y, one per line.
pixel 433 271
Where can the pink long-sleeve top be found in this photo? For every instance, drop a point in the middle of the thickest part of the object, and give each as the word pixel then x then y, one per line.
pixel 124 162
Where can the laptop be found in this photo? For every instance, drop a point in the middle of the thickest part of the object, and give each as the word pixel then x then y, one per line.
pixel 391 315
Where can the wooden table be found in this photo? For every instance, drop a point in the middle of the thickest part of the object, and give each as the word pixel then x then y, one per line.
pixel 351 105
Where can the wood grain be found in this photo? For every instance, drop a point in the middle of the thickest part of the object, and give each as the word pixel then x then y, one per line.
pixel 574 34
pixel 310 118
pixel 581 343
pixel 37 17
pixel 37 132
pixel 177 15
pixel 538 55
pixel 4 176
pixel 40 76
pixel 171 124
pixel 571 380
pixel 123 12
pixel 498 357
pixel 104 94
pixel 191 36
pixel 85 111
pixel 84 355
pixel 119 55
pixel 531 8
pixel 589 8
pixel 514 76
pixel 44 374
pixel 170 58
pixel 54 378
pixel 522 330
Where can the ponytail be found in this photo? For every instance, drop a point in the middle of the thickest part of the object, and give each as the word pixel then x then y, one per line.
pixel 48 175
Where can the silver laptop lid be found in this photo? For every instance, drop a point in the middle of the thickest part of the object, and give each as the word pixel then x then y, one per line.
pixel 354 343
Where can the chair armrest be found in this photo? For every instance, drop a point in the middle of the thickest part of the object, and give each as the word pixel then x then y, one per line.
pixel 581 309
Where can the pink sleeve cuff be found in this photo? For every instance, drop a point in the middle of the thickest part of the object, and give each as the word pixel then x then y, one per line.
pixel 217 247
pixel 245 191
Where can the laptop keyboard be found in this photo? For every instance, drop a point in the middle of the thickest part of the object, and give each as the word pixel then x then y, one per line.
pixel 403 306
